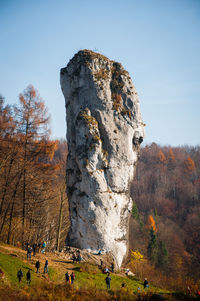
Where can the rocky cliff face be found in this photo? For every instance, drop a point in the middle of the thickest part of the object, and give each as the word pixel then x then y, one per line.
pixel 104 131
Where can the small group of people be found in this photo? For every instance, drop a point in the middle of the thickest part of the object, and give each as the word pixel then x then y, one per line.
pixel 30 249
pixel 105 269
pixel 40 247
pixel 46 266
pixel 145 284
pixel 70 278
pixel 189 291
pixel 28 276
pixel 76 257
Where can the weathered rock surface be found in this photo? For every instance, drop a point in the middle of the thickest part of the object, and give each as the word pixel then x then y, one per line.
pixel 104 131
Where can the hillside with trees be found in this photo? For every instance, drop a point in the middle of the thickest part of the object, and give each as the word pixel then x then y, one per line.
pixel 165 224
pixel 33 204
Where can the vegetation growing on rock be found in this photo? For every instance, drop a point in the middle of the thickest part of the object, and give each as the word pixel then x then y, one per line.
pixel 90 120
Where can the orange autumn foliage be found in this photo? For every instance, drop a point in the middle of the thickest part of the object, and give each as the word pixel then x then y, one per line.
pixel 171 155
pixel 161 157
pixel 151 223
pixel 189 165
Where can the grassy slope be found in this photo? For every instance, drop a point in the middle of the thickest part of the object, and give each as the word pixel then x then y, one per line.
pixel 92 280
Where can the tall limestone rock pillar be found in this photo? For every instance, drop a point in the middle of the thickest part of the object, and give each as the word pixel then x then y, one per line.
pixel 104 132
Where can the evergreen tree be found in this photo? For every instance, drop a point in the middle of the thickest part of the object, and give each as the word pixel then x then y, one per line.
pixel 162 258
pixel 157 251
pixel 152 249
pixel 135 213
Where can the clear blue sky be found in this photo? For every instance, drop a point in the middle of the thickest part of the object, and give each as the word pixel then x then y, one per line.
pixel 157 41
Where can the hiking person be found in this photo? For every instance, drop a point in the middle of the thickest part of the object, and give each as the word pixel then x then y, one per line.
pixel 37 265
pixel 73 257
pixel 20 275
pixel 126 272
pixel 100 252
pixel 67 277
pixel 108 279
pixel 39 247
pixel 106 270
pixel 145 283
pixel 46 269
pixel 112 267
pixel 101 263
pixel 26 245
pixel 79 258
pixel 28 277
pixel 43 247
pixel 34 249
pixel 29 251
pixel 72 277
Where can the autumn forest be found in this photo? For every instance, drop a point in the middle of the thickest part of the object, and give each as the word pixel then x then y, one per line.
pixel 33 204
pixel 165 223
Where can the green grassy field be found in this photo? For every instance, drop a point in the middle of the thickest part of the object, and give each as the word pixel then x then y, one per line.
pixel 89 281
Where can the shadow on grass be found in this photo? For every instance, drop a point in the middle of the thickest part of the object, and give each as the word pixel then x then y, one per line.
pixel 75 269
pixel 13 255
pixel 28 268
pixel 63 261
pixel 133 278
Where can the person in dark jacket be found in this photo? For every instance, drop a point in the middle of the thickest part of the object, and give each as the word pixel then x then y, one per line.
pixel 79 258
pixel 108 279
pixel 46 269
pixel 34 249
pixel 29 251
pixel 112 267
pixel 37 265
pixel 145 283
pixel 67 277
pixel 73 257
pixel 20 275
pixel 26 245
pixel 28 277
